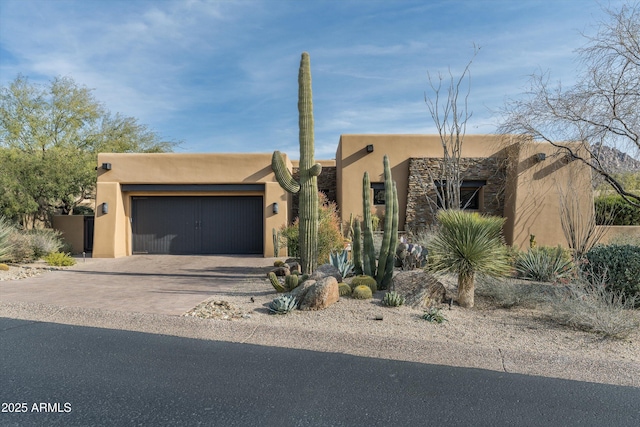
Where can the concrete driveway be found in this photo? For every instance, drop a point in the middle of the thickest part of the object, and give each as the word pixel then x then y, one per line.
pixel 160 284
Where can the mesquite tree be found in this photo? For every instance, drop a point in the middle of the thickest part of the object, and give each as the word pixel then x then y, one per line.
pixel 309 171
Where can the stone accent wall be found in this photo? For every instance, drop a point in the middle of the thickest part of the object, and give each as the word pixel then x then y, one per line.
pixel 421 197
pixel 326 183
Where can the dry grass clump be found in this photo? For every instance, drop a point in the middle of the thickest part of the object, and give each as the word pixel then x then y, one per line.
pixel 511 293
pixel 595 309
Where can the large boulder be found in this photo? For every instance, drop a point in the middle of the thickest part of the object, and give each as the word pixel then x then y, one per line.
pixel 326 270
pixel 420 289
pixel 320 294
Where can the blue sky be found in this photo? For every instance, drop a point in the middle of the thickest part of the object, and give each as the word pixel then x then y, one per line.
pixel 221 76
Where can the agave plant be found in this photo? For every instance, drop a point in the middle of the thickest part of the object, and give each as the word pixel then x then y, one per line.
pixel 283 304
pixel 340 261
pixel 434 315
pixel 393 299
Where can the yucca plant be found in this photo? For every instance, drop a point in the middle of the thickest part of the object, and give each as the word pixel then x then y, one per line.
pixel 467 243
pixel 392 299
pixel 6 229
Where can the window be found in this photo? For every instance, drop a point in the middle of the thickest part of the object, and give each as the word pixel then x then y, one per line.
pixel 378 193
pixel 470 193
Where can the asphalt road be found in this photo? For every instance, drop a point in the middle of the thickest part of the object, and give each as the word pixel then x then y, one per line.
pixel 80 376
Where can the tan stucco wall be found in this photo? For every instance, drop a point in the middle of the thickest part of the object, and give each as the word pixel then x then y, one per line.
pixel 72 229
pixel 112 237
pixel 352 160
pixel 533 194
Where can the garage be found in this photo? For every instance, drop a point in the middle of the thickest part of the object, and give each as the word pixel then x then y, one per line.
pixel 197 225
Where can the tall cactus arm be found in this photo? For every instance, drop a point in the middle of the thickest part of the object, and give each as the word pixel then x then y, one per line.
pixel 368 250
pixel 283 175
pixel 385 248
pixel 387 280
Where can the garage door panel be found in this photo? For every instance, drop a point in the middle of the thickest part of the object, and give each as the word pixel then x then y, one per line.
pixel 197 225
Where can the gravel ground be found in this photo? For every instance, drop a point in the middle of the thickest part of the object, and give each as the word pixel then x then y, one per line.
pixel 515 340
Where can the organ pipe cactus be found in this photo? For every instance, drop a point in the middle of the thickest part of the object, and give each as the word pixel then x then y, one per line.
pixel 368 252
pixel 309 171
pixel 356 254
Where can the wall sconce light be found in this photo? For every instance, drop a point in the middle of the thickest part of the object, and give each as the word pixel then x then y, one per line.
pixel 540 157
pixel 276 208
pixel 370 148
pixel 105 208
pixel 106 166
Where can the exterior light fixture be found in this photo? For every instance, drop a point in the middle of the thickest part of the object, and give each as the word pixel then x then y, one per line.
pixel 276 208
pixel 370 148
pixel 106 166
pixel 105 208
pixel 540 157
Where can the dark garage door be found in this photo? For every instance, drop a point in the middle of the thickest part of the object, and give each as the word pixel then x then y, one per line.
pixel 197 225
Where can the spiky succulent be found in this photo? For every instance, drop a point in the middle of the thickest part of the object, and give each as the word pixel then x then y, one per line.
pixel 362 292
pixel 283 304
pixel 364 280
pixel 434 315
pixel 393 299
pixel 344 289
pixel 340 261
pixel 275 282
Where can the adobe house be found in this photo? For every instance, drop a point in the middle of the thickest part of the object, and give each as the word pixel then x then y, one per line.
pixel 230 203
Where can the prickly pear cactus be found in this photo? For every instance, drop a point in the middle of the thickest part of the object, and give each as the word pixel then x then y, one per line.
pixel 309 171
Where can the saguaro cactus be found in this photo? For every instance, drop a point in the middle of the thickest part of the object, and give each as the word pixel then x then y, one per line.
pixel 309 171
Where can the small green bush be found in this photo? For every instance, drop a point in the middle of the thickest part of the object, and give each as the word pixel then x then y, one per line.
pixel 544 264
pixel 618 266
pixel 364 280
pixel 614 210
pixel 59 259
pixel 344 289
pixel 362 292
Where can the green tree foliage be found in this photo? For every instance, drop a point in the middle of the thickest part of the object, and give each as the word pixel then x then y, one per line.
pixel 614 210
pixel 50 136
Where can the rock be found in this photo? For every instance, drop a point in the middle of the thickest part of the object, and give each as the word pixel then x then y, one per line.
pixel 321 294
pixel 326 270
pixel 300 291
pixel 280 271
pixel 419 288
pixel 294 266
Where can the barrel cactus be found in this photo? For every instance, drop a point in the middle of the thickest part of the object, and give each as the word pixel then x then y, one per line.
pixel 283 304
pixel 309 171
pixel 362 292
pixel 344 289
pixel 368 281
pixel 4 267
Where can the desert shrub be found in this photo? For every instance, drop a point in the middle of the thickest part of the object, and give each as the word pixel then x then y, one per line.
pixel 21 249
pixel 60 259
pixel 616 265
pixel 329 235
pixel 362 292
pixel 508 293
pixel 614 210
pixel 44 241
pixel 366 281
pixel 594 308
pixel 6 230
pixel 83 210
pixel 5 267
pixel 344 289
pixel 544 264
